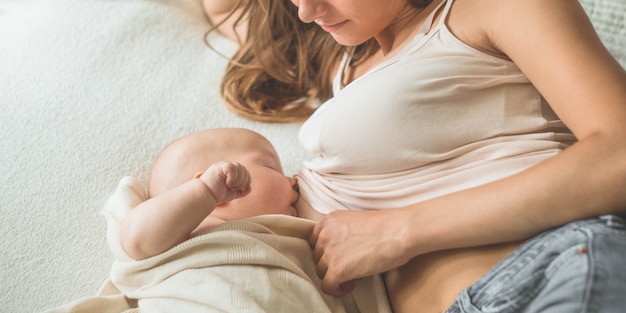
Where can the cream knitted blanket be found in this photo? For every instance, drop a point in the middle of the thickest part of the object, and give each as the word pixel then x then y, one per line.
pixel 262 264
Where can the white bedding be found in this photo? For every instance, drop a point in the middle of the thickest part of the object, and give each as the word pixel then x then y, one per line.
pixel 90 91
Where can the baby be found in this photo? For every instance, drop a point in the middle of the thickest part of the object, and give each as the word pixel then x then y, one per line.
pixel 217 233
pixel 205 179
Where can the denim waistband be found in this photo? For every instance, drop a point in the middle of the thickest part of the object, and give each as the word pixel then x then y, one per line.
pixel 577 267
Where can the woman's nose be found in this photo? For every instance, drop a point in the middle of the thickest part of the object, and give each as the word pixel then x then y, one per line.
pixel 310 10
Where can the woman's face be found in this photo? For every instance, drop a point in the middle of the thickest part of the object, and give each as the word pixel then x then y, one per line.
pixel 351 22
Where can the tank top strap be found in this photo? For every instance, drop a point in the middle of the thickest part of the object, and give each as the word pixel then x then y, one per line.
pixel 446 11
pixel 343 64
pixel 337 83
pixel 428 23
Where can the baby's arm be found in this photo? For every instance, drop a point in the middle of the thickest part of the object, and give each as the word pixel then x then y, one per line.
pixel 166 220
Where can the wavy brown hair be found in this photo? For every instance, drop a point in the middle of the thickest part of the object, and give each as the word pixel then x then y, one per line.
pixel 283 67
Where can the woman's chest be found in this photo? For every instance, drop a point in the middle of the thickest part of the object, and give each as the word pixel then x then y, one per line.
pixel 414 113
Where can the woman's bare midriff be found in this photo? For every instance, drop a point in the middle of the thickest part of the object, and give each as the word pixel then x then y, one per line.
pixel 431 282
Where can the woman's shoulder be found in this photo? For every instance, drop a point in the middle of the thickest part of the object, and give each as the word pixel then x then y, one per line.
pixel 469 21
pixel 484 24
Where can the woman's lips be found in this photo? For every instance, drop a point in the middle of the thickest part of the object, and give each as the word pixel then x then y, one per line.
pixel 334 27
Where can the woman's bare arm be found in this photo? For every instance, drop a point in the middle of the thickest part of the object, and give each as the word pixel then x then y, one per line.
pixel 556 47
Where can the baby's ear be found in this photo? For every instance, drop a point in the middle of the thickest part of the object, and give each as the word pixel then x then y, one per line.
pixel 198 174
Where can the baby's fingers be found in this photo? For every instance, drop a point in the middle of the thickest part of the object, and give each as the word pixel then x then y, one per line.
pixel 237 177
pixel 227 181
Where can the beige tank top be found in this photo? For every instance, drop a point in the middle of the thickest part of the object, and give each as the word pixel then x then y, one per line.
pixel 438 117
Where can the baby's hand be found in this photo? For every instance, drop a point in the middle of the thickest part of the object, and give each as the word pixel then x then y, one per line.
pixel 227 181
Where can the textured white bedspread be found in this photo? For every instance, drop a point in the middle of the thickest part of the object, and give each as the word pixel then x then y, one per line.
pixel 91 91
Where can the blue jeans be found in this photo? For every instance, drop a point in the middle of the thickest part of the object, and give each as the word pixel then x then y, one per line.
pixel 580 267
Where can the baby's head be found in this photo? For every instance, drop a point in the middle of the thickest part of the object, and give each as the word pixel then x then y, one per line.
pixel 272 191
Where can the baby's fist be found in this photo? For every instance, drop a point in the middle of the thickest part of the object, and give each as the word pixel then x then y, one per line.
pixel 227 180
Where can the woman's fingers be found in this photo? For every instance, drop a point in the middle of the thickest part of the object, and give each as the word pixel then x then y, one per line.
pixel 318 250
pixel 348 245
pixel 332 283
pixel 321 269
pixel 314 234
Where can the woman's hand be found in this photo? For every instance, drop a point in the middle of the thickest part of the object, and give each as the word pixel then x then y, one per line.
pixel 355 244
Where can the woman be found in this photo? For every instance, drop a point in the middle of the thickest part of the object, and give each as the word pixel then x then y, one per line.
pixel 456 140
